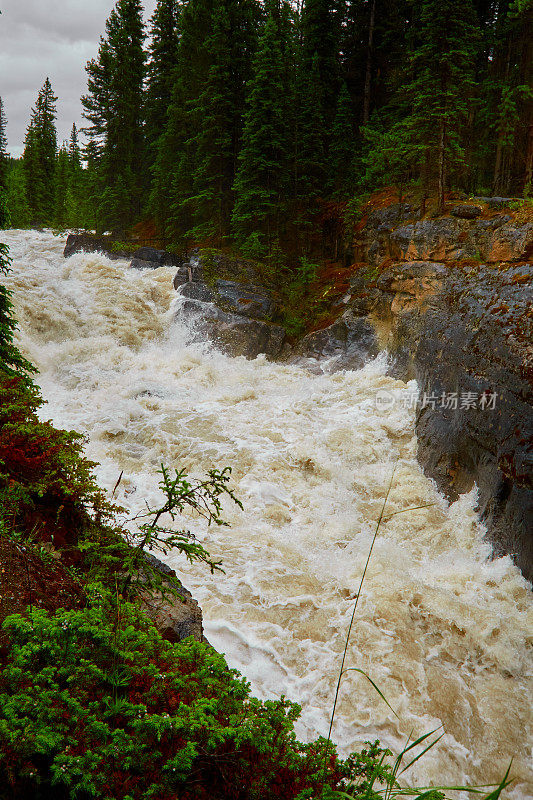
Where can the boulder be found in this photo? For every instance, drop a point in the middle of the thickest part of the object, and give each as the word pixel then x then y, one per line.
pixel 151 258
pixel 89 243
pixel 138 263
pixel 175 618
pixel 351 339
pixel 197 291
pixel 150 254
pixel 188 271
pixel 233 333
pixel 250 301
pixel 466 211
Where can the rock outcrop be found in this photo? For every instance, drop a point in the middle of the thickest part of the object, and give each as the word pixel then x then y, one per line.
pixel 350 340
pixel 174 617
pixel 396 234
pixel 452 301
pixel 236 317
pixel 90 243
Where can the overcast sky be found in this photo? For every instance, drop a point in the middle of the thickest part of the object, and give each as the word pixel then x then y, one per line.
pixel 54 38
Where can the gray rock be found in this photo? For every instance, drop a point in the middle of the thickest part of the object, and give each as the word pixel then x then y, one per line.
pixel 250 301
pixel 187 272
pixel 428 239
pixel 175 618
pixel 90 243
pixel 233 333
pixel 496 202
pixel 197 291
pixel 352 339
pixel 151 254
pixel 466 211
pixel 386 219
pixel 138 263
pixel 475 337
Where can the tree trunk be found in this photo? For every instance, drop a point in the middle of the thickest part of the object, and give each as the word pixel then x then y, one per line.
pixel 498 166
pixel 368 74
pixel 442 164
pixel 528 179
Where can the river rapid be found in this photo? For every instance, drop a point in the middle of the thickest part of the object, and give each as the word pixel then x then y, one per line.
pixel 440 628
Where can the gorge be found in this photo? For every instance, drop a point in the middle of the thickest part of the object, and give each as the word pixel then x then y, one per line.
pixel 442 628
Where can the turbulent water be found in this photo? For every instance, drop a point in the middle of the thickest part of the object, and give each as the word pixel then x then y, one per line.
pixel 440 628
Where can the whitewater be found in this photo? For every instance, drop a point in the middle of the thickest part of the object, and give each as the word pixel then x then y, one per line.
pixel 443 630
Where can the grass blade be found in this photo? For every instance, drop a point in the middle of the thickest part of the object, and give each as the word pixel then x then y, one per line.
pixel 378 690
pixel 430 745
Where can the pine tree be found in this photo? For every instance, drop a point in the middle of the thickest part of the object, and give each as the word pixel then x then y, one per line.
pixel 320 29
pixel 218 113
pixel 17 200
pixel 75 216
pixel 40 148
pixel 263 180
pixel 62 188
pixel 3 148
pixel 174 166
pixel 310 167
pixel 114 108
pixel 90 186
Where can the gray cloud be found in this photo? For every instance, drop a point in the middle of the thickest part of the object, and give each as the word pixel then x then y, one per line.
pixel 47 38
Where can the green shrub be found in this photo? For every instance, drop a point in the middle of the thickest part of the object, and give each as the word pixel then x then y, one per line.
pixel 94 703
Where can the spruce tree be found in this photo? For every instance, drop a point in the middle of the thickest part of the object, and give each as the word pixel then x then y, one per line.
pixel 174 166
pixel 320 30
pixel 218 116
pixel 341 152
pixel 3 148
pixel 114 109
pixel 212 156
pixel 17 200
pixel 197 155
pixel 62 188
pixel 11 361
pixel 40 149
pixel 263 181
pixel 75 217
pixel 162 62
pixel 90 186
pixel 310 168
pixel 433 102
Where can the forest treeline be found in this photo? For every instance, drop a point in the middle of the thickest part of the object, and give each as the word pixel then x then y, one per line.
pixel 235 121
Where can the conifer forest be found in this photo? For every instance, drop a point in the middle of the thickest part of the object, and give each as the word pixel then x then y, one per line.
pixel 260 125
